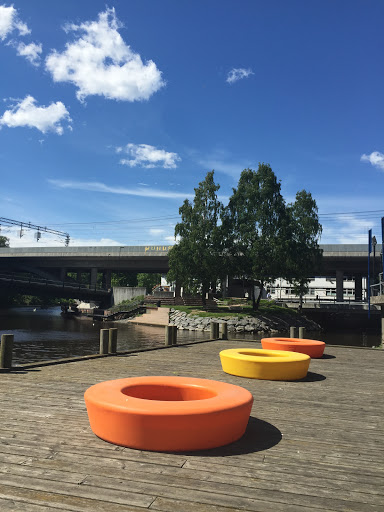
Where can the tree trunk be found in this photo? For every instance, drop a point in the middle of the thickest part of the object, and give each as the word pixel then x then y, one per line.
pixel 203 296
pixel 253 297
pixel 259 297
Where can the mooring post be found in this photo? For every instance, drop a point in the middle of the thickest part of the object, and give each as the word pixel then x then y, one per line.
pixel 293 332
pixel 302 333
pixel 382 326
pixel 214 330
pixel 104 341
pixel 112 341
pixel 224 331
pixel 174 334
pixel 168 335
pixel 6 348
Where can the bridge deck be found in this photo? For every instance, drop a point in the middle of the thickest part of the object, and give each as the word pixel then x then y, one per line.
pixel 310 445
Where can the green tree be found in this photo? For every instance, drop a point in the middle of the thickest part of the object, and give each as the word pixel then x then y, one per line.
pixel 304 255
pixel 195 260
pixel 4 241
pixel 148 280
pixel 124 279
pixel 256 228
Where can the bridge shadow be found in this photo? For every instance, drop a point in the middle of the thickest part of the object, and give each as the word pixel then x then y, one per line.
pixel 18 371
pixel 259 435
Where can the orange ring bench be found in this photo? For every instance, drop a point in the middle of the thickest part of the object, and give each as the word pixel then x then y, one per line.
pixel 312 348
pixel 168 413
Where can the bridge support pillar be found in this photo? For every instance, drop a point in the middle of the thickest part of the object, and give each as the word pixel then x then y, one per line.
pixel 93 276
pixel 358 287
pixel 78 276
pixel 107 279
pixel 63 274
pixel 339 285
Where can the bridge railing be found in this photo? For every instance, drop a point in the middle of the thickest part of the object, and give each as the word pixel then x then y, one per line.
pixel 32 279
pixel 378 288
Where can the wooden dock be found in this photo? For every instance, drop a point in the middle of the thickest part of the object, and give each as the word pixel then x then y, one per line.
pixel 314 445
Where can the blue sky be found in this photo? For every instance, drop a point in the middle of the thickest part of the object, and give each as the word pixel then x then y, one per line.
pixel 112 114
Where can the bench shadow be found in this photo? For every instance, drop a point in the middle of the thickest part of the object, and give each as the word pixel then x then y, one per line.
pixel 312 377
pixel 259 435
pixel 327 356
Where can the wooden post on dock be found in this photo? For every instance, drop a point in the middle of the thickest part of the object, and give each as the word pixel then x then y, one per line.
pixel 224 331
pixel 112 341
pixel 174 334
pixel 6 348
pixel 382 326
pixel 104 341
pixel 168 335
pixel 293 332
pixel 302 333
pixel 214 330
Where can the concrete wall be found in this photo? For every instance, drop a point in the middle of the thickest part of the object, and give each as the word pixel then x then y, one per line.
pixel 120 293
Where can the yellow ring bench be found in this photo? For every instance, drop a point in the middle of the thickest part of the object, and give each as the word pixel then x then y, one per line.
pixel 264 364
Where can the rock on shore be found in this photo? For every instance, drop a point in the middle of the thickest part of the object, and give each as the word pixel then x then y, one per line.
pixel 262 323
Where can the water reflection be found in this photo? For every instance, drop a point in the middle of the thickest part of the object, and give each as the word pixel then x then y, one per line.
pixel 44 334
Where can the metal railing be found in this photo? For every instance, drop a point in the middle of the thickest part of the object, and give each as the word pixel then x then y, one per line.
pixel 15 278
pixel 378 288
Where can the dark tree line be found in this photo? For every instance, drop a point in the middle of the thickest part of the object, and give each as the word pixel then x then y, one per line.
pixel 257 236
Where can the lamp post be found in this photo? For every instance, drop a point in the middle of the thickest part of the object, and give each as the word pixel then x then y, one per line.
pixel 374 243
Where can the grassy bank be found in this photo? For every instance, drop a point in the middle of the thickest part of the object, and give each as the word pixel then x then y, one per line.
pixel 244 309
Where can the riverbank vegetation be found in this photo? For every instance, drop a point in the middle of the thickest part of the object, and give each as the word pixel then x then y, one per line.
pixel 238 309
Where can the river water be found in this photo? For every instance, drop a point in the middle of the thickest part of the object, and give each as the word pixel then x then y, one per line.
pixel 44 334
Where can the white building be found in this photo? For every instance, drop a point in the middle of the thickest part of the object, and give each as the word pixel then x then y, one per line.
pixel 323 288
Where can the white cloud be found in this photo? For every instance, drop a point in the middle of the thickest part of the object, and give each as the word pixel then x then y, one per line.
pixel 156 231
pixel 26 113
pixel 144 155
pixel 345 229
pixel 98 62
pixel 222 161
pixel 376 159
pixel 9 21
pixel 231 169
pixel 30 51
pixel 237 74
pixel 171 239
pixel 101 187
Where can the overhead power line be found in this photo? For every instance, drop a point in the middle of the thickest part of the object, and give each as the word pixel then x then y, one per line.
pixel 39 229
pixel 363 212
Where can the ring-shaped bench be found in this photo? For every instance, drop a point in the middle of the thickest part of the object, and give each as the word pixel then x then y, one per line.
pixel 168 413
pixel 312 348
pixel 264 364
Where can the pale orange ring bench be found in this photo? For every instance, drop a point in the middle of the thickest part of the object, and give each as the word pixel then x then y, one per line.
pixel 168 413
pixel 312 348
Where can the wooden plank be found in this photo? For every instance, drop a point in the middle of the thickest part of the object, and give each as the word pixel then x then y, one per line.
pixel 234 496
pixel 27 499
pixel 123 497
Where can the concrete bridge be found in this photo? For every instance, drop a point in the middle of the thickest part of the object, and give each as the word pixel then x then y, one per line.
pixel 339 261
